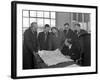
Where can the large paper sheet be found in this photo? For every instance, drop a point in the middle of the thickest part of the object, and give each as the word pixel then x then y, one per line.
pixel 53 57
pixel 73 65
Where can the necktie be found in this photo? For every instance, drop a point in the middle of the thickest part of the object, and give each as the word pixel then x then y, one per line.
pixel 46 36
pixel 34 34
pixel 65 32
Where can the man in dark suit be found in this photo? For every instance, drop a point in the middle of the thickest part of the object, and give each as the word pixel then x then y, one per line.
pixel 70 48
pixel 72 37
pixel 84 40
pixel 30 47
pixel 56 39
pixel 43 38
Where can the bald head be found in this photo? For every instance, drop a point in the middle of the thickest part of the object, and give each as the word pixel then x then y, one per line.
pixel 34 26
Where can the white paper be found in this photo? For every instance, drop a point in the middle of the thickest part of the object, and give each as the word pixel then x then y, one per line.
pixel 73 65
pixel 53 57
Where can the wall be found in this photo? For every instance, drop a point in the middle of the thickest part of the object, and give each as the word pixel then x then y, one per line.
pixel 62 18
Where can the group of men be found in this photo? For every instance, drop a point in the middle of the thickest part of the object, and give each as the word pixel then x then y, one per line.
pixel 73 43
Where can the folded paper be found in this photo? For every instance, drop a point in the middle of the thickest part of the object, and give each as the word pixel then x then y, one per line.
pixel 53 57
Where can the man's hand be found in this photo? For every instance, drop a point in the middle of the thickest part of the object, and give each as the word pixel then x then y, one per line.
pixel 66 42
pixel 37 57
pixel 35 53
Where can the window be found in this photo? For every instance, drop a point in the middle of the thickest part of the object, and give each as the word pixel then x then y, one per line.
pixel 83 19
pixel 41 17
pixel 53 23
pixel 86 17
pixel 26 13
pixel 25 22
pixel 47 14
pixel 40 22
pixel 40 14
pixel 32 13
pixel 79 17
pixel 32 20
pixel 75 16
pixel 53 15
pixel 47 21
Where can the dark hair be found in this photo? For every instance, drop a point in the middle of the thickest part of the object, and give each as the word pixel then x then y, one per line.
pixel 33 23
pixel 47 25
pixel 78 25
pixel 69 41
pixel 66 24
pixel 54 28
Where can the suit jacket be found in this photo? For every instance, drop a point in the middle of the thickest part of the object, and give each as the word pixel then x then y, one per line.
pixel 84 39
pixel 71 35
pixel 43 40
pixel 74 41
pixel 87 50
pixel 30 45
pixel 56 41
pixel 81 35
pixel 73 52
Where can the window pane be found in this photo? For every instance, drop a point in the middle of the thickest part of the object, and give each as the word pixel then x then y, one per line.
pixel 83 25
pixel 80 17
pixel 40 29
pixel 26 13
pixel 86 17
pixel 74 16
pixel 25 22
pixel 39 13
pixel 32 20
pixel 46 15
pixel 53 15
pixel 40 22
pixel 32 13
pixel 46 21
pixel 53 23
pixel 24 29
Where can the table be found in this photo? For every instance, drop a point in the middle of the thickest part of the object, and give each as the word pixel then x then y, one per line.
pixel 42 64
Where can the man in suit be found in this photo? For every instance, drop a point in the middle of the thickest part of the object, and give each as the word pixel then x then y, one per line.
pixel 43 38
pixel 69 33
pixel 71 37
pixel 30 47
pixel 56 39
pixel 84 40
